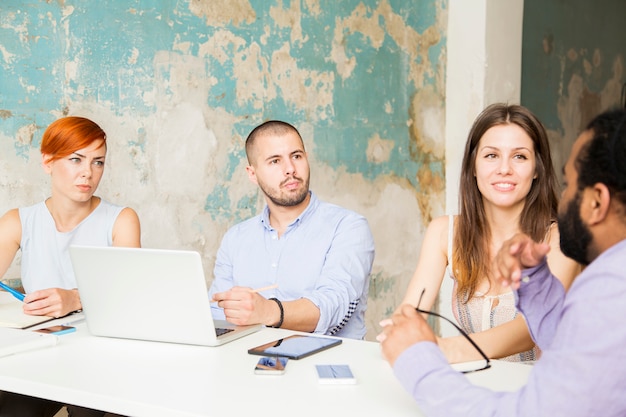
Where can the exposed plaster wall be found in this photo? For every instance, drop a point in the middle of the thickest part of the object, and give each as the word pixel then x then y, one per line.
pixel 178 85
pixel 573 65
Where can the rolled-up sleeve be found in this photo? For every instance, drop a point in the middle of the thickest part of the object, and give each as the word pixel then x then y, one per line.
pixel 540 300
pixel 582 370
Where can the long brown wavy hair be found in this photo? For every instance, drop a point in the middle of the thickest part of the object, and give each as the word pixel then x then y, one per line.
pixel 470 256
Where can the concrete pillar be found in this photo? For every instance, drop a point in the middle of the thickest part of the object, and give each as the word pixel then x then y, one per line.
pixel 484 49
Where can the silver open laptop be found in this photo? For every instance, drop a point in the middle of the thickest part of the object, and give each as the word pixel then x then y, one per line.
pixel 148 294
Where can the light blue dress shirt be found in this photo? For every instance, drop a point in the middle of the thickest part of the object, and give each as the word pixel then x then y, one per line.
pixel 582 369
pixel 325 256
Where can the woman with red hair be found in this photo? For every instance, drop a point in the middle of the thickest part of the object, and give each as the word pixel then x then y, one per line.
pixel 73 153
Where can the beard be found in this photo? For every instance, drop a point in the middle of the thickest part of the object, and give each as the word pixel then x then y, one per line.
pixel 286 199
pixel 575 237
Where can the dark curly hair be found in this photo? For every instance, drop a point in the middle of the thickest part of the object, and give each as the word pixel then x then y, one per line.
pixel 603 158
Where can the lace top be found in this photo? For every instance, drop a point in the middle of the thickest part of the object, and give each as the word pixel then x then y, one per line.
pixel 482 311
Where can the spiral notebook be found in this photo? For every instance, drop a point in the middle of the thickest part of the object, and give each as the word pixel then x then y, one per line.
pixel 16 340
pixel 12 314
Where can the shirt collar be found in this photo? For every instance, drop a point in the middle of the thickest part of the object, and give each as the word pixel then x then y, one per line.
pixel 313 203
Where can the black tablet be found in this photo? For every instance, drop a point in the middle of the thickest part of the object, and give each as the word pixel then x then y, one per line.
pixel 295 347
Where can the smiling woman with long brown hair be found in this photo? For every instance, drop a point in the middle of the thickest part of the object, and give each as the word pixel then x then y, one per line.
pixel 508 185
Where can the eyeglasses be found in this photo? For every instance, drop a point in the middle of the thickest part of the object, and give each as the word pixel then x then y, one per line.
pixel 463 333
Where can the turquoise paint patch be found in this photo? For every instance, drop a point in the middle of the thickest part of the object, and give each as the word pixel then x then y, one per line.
pixel 112 45
pixel 375 80
pixel 435 54
pixel 234 160
pixel 246 208
pixel 30 83
pixel 12 126
pixel 347 148
pixel 217 204
pixel 418 15
pixel 117 49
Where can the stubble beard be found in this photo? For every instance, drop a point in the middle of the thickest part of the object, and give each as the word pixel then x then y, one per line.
pixel 289 199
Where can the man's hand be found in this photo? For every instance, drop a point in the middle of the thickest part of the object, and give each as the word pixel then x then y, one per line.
pixel 243 306
pixel 53 302
pixel 517 253
pixel 405 328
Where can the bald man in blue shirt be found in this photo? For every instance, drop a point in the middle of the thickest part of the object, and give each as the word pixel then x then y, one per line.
pixel 316 257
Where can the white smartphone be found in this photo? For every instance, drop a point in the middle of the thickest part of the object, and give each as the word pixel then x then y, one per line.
pixel 271 365
pixel 335 374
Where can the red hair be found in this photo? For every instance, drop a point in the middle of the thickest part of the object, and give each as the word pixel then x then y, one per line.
pixel 69 134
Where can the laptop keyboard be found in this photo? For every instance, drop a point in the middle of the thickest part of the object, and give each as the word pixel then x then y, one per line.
pixel 220 331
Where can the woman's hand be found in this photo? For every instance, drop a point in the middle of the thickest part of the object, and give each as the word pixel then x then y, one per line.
pixel 53 302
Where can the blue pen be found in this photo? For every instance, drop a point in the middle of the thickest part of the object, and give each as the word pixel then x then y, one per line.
pixel 13 292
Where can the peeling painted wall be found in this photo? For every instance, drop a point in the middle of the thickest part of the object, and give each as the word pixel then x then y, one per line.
pixel 572 64
pixel 177 86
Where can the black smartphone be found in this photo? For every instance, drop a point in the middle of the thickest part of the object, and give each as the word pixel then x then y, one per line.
pixel 271 365
pixel 295 347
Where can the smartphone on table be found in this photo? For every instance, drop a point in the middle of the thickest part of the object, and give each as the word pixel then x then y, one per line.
pixel 335 374
pixel 58 330
pixel 271 365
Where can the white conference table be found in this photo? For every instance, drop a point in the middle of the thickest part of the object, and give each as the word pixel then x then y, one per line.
pixel 138 378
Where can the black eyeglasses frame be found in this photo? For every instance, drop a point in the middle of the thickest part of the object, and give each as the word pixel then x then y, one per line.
pixel 465 335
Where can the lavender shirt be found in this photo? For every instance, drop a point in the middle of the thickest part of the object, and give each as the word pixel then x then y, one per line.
pixel 582 370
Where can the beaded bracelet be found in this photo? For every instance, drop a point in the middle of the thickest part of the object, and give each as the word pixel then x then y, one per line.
pixel 282 313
